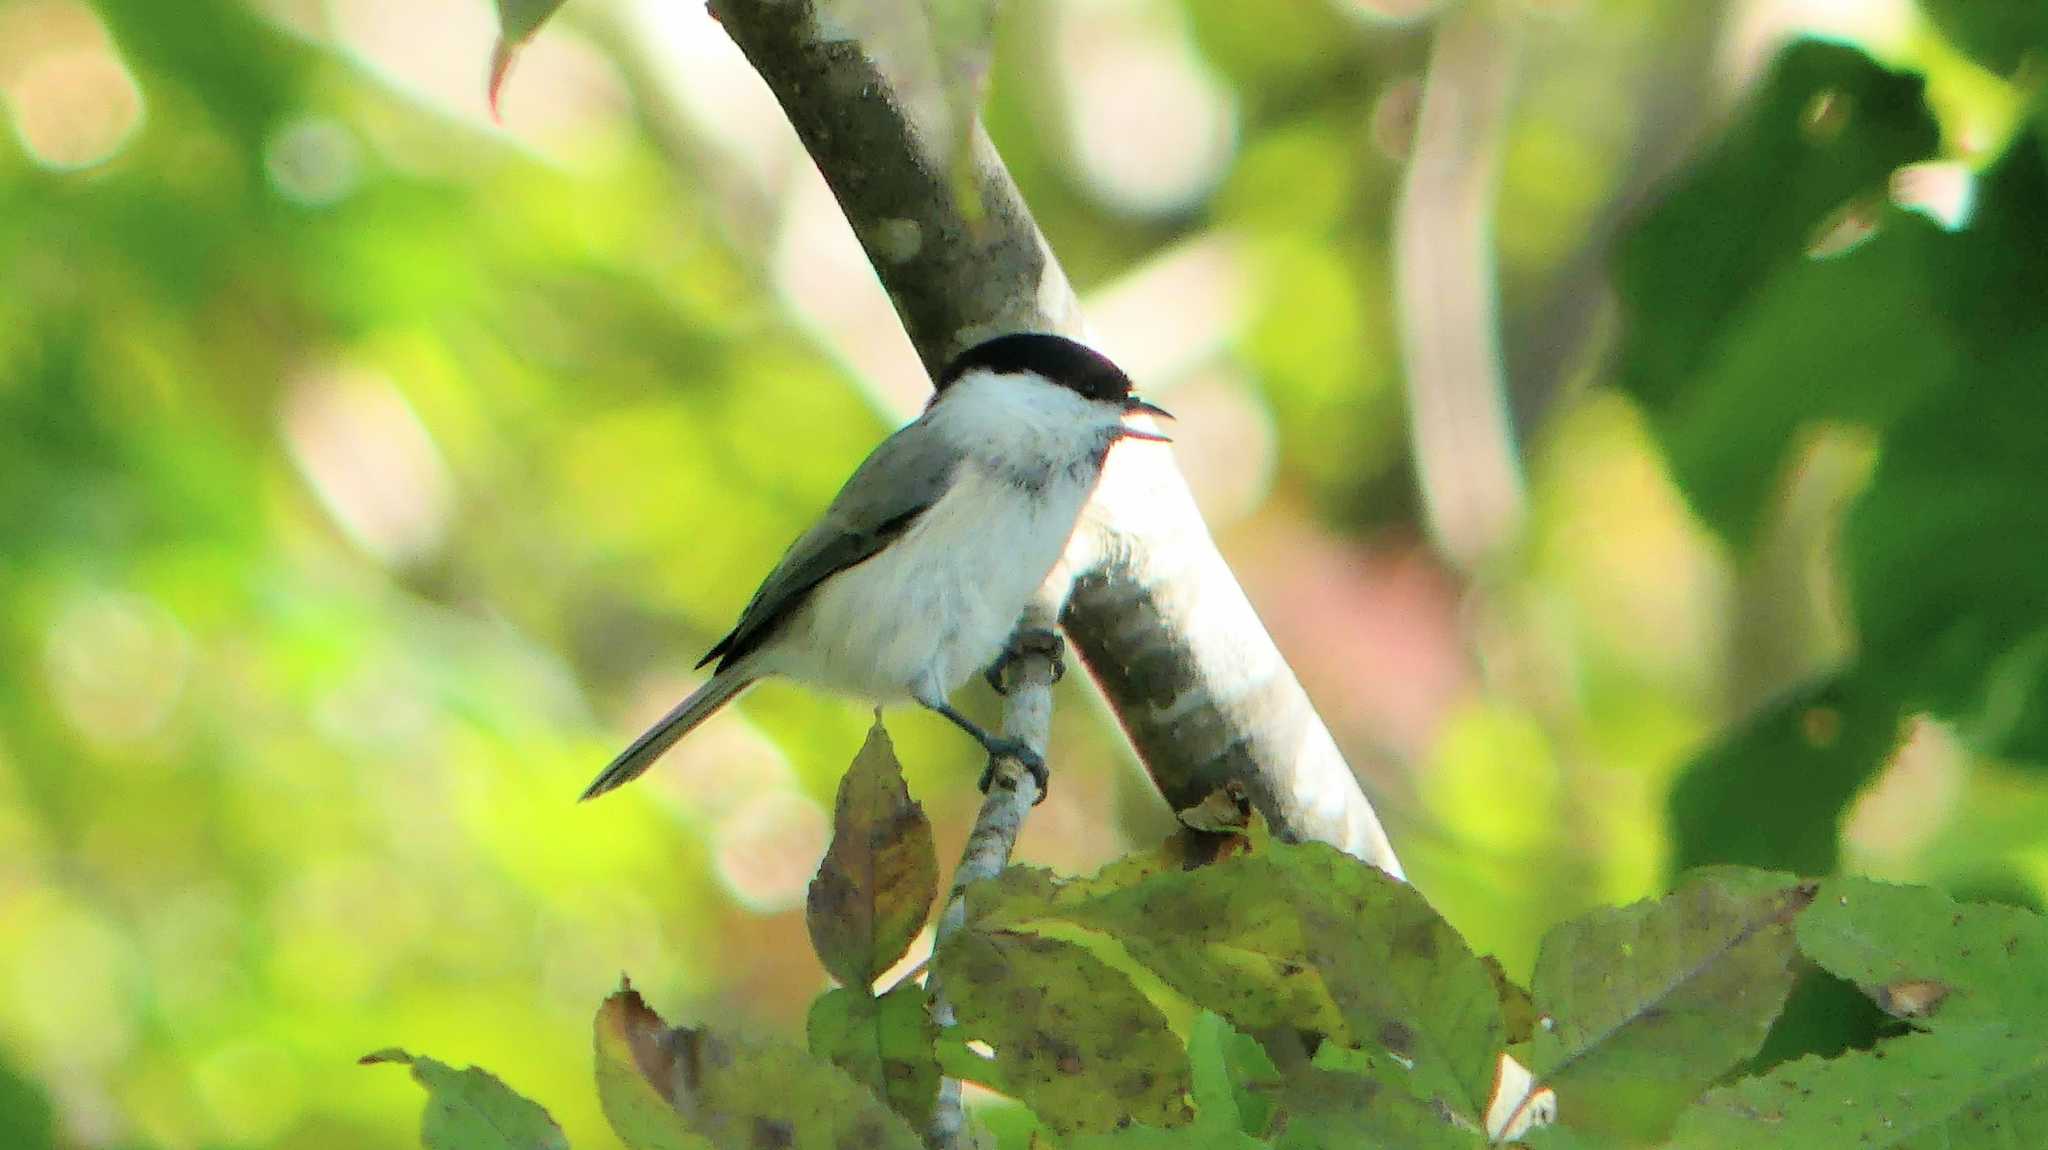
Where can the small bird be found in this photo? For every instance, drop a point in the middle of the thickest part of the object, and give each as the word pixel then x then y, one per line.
pixel 918 571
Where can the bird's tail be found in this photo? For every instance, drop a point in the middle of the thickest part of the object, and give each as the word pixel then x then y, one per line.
pixel 635 760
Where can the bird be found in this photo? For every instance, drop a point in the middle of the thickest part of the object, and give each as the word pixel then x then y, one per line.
pixel 916 574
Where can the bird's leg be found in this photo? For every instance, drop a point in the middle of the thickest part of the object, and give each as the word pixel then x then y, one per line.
pixel 998 748
pixel 1028 641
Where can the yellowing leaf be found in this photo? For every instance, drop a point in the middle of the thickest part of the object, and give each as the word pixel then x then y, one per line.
pixel 1073 1039
pixel 880 875
pixel 1298 936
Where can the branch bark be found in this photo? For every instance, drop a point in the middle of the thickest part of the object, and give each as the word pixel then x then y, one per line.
pixel 1027 715
pixel 1155 613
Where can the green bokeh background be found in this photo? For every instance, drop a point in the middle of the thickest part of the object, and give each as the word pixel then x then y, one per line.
pixel 369 472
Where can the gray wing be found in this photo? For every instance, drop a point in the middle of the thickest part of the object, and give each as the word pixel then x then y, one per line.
pixel 897 482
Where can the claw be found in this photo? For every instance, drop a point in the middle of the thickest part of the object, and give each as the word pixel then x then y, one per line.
pixel 1000 749
pixel 1028 641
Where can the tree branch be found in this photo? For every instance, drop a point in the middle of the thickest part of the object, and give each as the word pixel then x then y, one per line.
pixel 1155 613
pixel 1027 715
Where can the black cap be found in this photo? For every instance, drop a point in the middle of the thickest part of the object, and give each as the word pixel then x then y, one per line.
pixel 1071 365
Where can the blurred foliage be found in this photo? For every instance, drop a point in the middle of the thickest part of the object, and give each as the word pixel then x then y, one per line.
pixel 1740 351
pixel 368 471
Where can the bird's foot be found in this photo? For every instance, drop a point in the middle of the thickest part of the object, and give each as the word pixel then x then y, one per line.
pixel 1025 641
pixel 1002 748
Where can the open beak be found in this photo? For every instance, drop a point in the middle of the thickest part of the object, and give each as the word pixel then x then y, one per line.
pixel 1134 404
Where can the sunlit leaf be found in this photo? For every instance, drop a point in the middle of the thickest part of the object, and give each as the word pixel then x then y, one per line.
pixel 1072 1038
pixel 470 1109
pixel 1925 958
pixel 518 22
pixel 737 1093
pixel 1643 1006
pixel 885 1043
pixel 1983 1086
pixel 880 875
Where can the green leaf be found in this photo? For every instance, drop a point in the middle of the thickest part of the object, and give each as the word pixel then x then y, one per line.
pixel 1227 1066
pixel 884 1043
pixel 26 1120
pixel 1022 893
pixel 1643 1006
pixel 880 875
pixel 1138 1136
pixel 630 1059
pixel 1225 1069
pixel 1927 958
pixel 1517 1008
pixel 1302 936
pixel 1771 791
pixel 1315 1108
pixel 1073 1039
pixel 1739 342
pixel 1823 1015
pixel 1224 1064
pixel 1947 551
pixel 1982 1086
pixel 518 22
pixel 1999 33
pixel 469 1109
pixel 1568 1138
pixel 1735 340
pixel 737 1093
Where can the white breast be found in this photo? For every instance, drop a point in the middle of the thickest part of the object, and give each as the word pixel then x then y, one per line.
pixel 937 605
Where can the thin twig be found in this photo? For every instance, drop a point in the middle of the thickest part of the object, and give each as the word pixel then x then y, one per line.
pixel 1027 715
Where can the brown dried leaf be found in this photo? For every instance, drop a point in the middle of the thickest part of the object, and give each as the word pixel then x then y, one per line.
pixel 728 1092
pixel 636 1075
